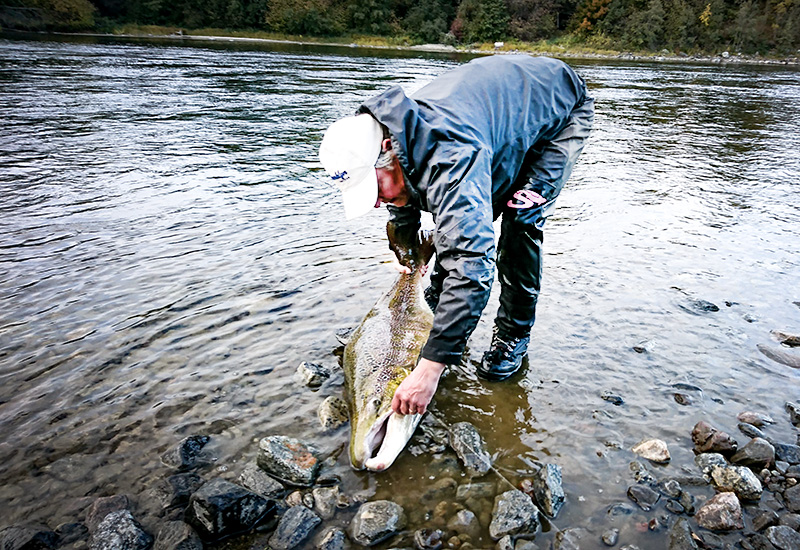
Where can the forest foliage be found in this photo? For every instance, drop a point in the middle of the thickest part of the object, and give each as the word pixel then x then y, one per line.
pixel 748 26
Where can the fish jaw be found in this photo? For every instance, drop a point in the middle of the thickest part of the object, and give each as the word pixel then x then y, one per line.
pixel 375 446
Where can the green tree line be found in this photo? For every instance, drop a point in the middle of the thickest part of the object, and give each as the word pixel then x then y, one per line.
pixel 679 25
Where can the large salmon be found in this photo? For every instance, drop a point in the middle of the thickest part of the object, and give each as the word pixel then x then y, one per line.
pixel 382 351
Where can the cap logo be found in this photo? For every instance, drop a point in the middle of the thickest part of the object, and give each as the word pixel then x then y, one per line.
pixel 343 176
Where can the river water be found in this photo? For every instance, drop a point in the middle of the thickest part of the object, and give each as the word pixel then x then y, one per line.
pixel 170 252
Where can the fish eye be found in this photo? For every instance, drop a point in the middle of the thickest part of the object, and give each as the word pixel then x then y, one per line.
pixel 376 403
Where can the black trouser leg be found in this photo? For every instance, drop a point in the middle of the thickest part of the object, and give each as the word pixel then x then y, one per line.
pixel 519 257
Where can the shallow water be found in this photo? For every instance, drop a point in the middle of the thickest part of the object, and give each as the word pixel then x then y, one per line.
pixel 169 253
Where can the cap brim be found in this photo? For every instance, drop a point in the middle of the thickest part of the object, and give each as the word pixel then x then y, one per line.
pixel 360 199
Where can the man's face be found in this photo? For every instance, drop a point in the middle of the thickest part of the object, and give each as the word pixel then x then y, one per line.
pixel 391 186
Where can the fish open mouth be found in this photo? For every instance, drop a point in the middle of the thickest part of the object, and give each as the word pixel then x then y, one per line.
pixel 387 438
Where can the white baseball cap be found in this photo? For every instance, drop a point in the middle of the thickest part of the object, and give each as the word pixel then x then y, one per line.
pixel 348 153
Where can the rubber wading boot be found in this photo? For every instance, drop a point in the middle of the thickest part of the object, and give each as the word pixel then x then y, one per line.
pixel 504 357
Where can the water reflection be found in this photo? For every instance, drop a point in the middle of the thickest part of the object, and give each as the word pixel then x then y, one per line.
pixel 168 256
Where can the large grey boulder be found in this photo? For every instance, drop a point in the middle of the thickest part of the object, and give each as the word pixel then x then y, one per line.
pixel 28 537
pixel 721 512
pixel 289 460
pixel 548 490
pixel 758 453
pixel 514 513
pixel 177 535
pixel 119 531
pixel 375 521
pixel 470 448
pixel 294 528
pixel 739 479
pixel 220 508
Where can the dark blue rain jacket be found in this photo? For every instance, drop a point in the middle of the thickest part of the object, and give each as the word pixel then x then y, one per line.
pixel 462 142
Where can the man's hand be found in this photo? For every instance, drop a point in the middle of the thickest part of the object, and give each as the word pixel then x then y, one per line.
pixel 400 268
pixel 414 394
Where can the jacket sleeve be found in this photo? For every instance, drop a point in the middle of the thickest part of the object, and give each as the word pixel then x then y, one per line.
pixel 459 194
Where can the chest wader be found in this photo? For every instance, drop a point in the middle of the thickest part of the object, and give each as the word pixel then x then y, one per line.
pixel 519 259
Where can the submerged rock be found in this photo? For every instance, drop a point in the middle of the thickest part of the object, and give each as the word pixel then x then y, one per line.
pixel 722 512
pixel 791 340
pixel 610 537
pixel 644 496
pixel 569 539
pixel 428 539
pixel 376 521
pixel 332 538
pixel 794 413
pixel 780 356
pixel 757 419
pixel 103 506
pixel 325 501
pixel 751 431
pixel 332 413
pixel 654 450
pixel 28 537
pixel 312 374
pixel 514 513
pixel 289 460
pixel 739 479
pixel 470 448
pixel 294 528
pixel 548 490
pixel 680 536
pixel 177 535
pixel 758 453
pixel 119 530
pixel 706 439
pixel 465 523
pixel 483 489
pixel 220 508
pixel 188 453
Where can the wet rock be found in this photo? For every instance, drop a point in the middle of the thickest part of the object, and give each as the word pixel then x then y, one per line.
pixel 620 509
pixel 790 520
pixel 188 454
pixel 325 501
pixel 674 506
pixel 780 356
pixel 514 513
pixel 428 539
pixel 548 490
pixel 312 374
pixel 758 453
pixel 484 489
pixel 708 439
pixel 103 506
pixel 523 544
pixel 791 498
pixel 376 521
pixel 220 508
pixel 739 479
pixel 332 538
pixel 119 531
pixel 794 412
pixel 569 539
pixel 721 513
pixel 174 492
pixel 700 306
pixel 757 419
pixel 781 466
pixel 683 399
pixel 610 537
pixel 177 535
pixel 258 481
pixel 612 398
pixel 68 533
pixel 680 536
pixel 654 450
pixel 470 448
pixel 505 543
pixel 670 488
pixel 294 528
pixel 791 340
pixel 784 538
pixel 751 431
pixel 687 501
pixel 708 461
pixel 641 474
pixel 764 519
pixel 441 488
pixel 787 453
pixel 644 496
pixel 465 522
pixel 332 413
pixel 289 460
pixel 28 537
